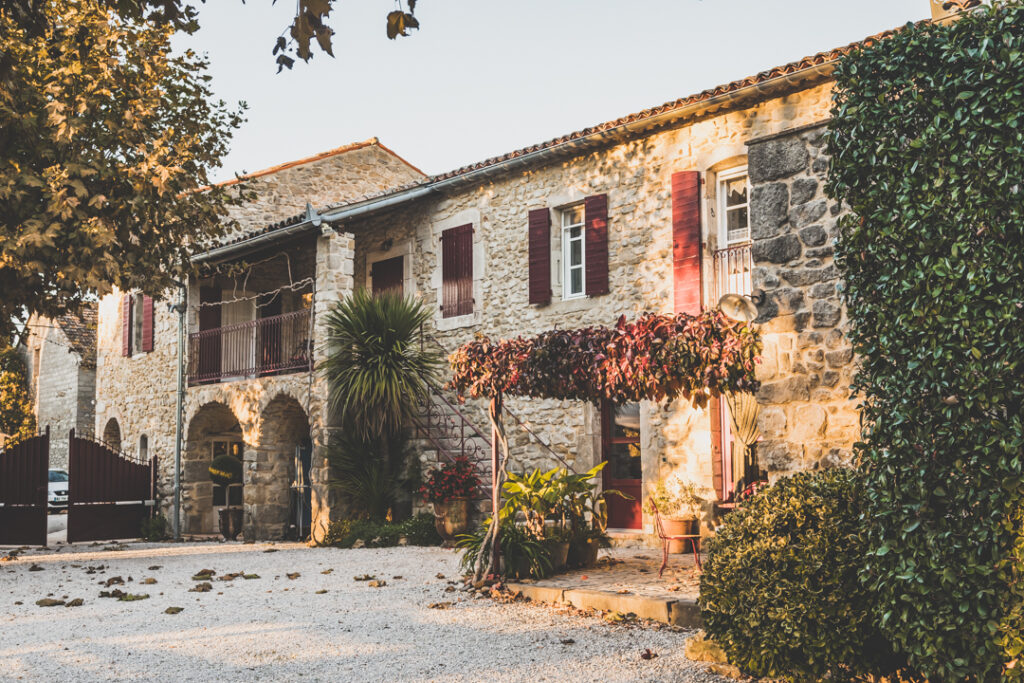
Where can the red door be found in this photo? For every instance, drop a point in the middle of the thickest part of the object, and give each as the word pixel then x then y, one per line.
pixel 620 444
pixel 388 276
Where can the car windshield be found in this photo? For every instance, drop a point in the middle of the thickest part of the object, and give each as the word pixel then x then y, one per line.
pixel 57 475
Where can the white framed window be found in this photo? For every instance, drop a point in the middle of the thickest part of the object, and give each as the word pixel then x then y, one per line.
pixel 573 253
pixel 733 206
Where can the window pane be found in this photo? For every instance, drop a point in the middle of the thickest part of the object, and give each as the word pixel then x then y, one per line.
pixel 626 421
pixel 575 252
pixel 736 191
pixel 572 216
pixel 57 475
pixel 576 281
pixel 624 461
pixel 736 219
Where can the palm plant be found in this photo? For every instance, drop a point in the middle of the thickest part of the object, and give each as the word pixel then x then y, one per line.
pixel 378 372
pixel 376 366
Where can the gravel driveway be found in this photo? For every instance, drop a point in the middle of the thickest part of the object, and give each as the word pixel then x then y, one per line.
pixel 319 625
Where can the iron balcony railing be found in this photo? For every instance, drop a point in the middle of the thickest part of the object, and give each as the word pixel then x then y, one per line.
pixel 732 267
pixel 267 346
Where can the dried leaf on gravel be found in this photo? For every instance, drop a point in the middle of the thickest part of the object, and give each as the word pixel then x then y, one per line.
pixel 327 571
pixel 250 576
pixel 35 568
pixel 377 584
pixel 568 641
pixel 647 654
pixel 270 550
pixel 623 591
pixel 49 602
pixel 113 581
pixel 321 591
pixel 364 577
pixel 203 587
pixel 203 575
pixel 397 577
pixel 440 605
pixel 293 575
pixel 77 602
pixel 132 597
pixel 449 589
pixel 232 576
pixel 440 575
pixel 149 581
pixel 154 568
pixel 173 610
pixel 116 593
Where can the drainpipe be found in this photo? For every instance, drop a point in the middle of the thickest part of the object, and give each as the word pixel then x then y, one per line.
pixel 180 308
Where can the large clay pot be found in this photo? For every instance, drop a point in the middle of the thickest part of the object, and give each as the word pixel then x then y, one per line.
pixel 230 522
pixel 451 518
pixel 680 527
pixel 558 551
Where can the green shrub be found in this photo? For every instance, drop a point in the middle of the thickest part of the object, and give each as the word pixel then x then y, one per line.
pixel 780 590
pixel 420 530
pixel 927 144
pixel 522 554
pixel 154 528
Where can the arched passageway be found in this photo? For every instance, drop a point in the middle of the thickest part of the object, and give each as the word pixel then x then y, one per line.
pixel 112 434
pixel 213 431
pixel 274 506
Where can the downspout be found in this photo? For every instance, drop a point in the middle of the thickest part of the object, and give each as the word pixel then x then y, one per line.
pixel 180 308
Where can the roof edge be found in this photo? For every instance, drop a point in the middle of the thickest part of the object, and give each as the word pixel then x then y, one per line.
pixel 351 147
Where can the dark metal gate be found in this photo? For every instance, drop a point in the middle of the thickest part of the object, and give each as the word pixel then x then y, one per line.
pixel 24 482
pixel 109 493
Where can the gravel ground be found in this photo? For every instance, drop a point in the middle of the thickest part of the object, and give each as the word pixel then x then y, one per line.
pixel 276 627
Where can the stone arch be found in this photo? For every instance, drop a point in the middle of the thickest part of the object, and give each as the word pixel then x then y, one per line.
pixel 284 437
pixel 112 434
pixel 213 429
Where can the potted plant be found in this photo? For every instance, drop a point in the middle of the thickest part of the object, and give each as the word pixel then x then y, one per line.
pixel 679 503
pixel 449 489
pixel 226 471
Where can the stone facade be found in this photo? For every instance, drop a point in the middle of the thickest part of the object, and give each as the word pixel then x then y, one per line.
pixel 270 417
pixel 808 418
pixel 60 358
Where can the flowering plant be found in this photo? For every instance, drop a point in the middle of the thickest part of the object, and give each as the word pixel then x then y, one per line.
pixel 455 479
pixel 677 498
pixel 656 357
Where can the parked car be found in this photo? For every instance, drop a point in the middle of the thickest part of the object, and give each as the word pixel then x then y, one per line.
pixel 57 497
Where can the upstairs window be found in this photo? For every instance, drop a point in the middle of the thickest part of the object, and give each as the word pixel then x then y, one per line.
pixel 457 271
pixel 573 253
pixel 136 324
pixel 733 193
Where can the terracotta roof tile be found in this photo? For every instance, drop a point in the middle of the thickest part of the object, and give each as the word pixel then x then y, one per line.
pixel 80 329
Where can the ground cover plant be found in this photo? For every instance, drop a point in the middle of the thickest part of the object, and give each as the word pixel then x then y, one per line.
pixel 927 145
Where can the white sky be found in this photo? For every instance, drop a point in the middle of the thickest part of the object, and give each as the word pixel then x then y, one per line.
pixel 484 77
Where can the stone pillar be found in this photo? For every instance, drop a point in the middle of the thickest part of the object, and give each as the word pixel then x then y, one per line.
pixel 335 257
pixel 808 418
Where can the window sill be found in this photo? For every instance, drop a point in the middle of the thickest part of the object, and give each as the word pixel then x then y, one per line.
pixel 456 322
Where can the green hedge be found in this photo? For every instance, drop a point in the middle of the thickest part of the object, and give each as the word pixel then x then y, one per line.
pixel 780 590
pixel 418 530
pixel 927 146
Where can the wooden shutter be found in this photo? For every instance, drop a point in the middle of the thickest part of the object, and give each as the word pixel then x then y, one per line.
pixel 686 248
pixel 147 324
pixel 457 271
pixel 540 256
pixel 126 324
pixel 388 275
pixel 717 463
pixel 596 239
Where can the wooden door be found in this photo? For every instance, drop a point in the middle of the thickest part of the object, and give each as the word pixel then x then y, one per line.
pixel 209 348
pixel 620 444
pixel 388 276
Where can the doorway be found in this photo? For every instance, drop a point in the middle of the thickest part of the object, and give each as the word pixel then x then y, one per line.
pixel 388 276
pixel 620 446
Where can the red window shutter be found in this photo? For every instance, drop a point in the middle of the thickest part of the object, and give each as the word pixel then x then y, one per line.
pixel 596 239
pixel 540 256
pixel 126 325
pixel 686 248
pixel 717 464
pixel 457 271
pixel 147 324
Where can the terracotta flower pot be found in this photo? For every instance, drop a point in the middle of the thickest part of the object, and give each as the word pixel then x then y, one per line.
pixel 230 522
pixel 558 552
pixel 680 527
pixel 451 518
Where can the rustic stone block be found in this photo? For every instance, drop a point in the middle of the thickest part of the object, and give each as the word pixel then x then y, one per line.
pixel 830 378
pixel 801 277
pixel 769 206
pixel 826 313
pixel 777 250
pixel 803 190
pixel 808 423
pixel 839 358
pixel 827 251
pixel 776 455
pixel 775 159
pixel 822 290
pixel 794 388
pixel 806 214
pixel 771 422
pixel 813 235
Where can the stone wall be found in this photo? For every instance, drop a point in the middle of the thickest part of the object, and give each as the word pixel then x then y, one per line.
pixel 636 176
pixel 808 418
pixel 62 388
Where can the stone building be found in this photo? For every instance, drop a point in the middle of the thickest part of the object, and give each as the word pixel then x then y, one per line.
pixel 60 358
pixel 665 210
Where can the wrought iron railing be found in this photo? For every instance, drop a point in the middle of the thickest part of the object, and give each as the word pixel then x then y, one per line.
pixel 267 346
pixel 732 267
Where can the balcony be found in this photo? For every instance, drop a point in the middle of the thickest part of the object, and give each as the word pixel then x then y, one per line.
pixel 272 345
pixel 732 268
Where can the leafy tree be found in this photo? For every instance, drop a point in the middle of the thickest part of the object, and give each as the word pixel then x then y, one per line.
pixel 16 417
pixel 105 138
pixel 928 151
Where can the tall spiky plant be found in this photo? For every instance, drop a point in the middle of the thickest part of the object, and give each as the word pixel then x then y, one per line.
pixel 377 367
